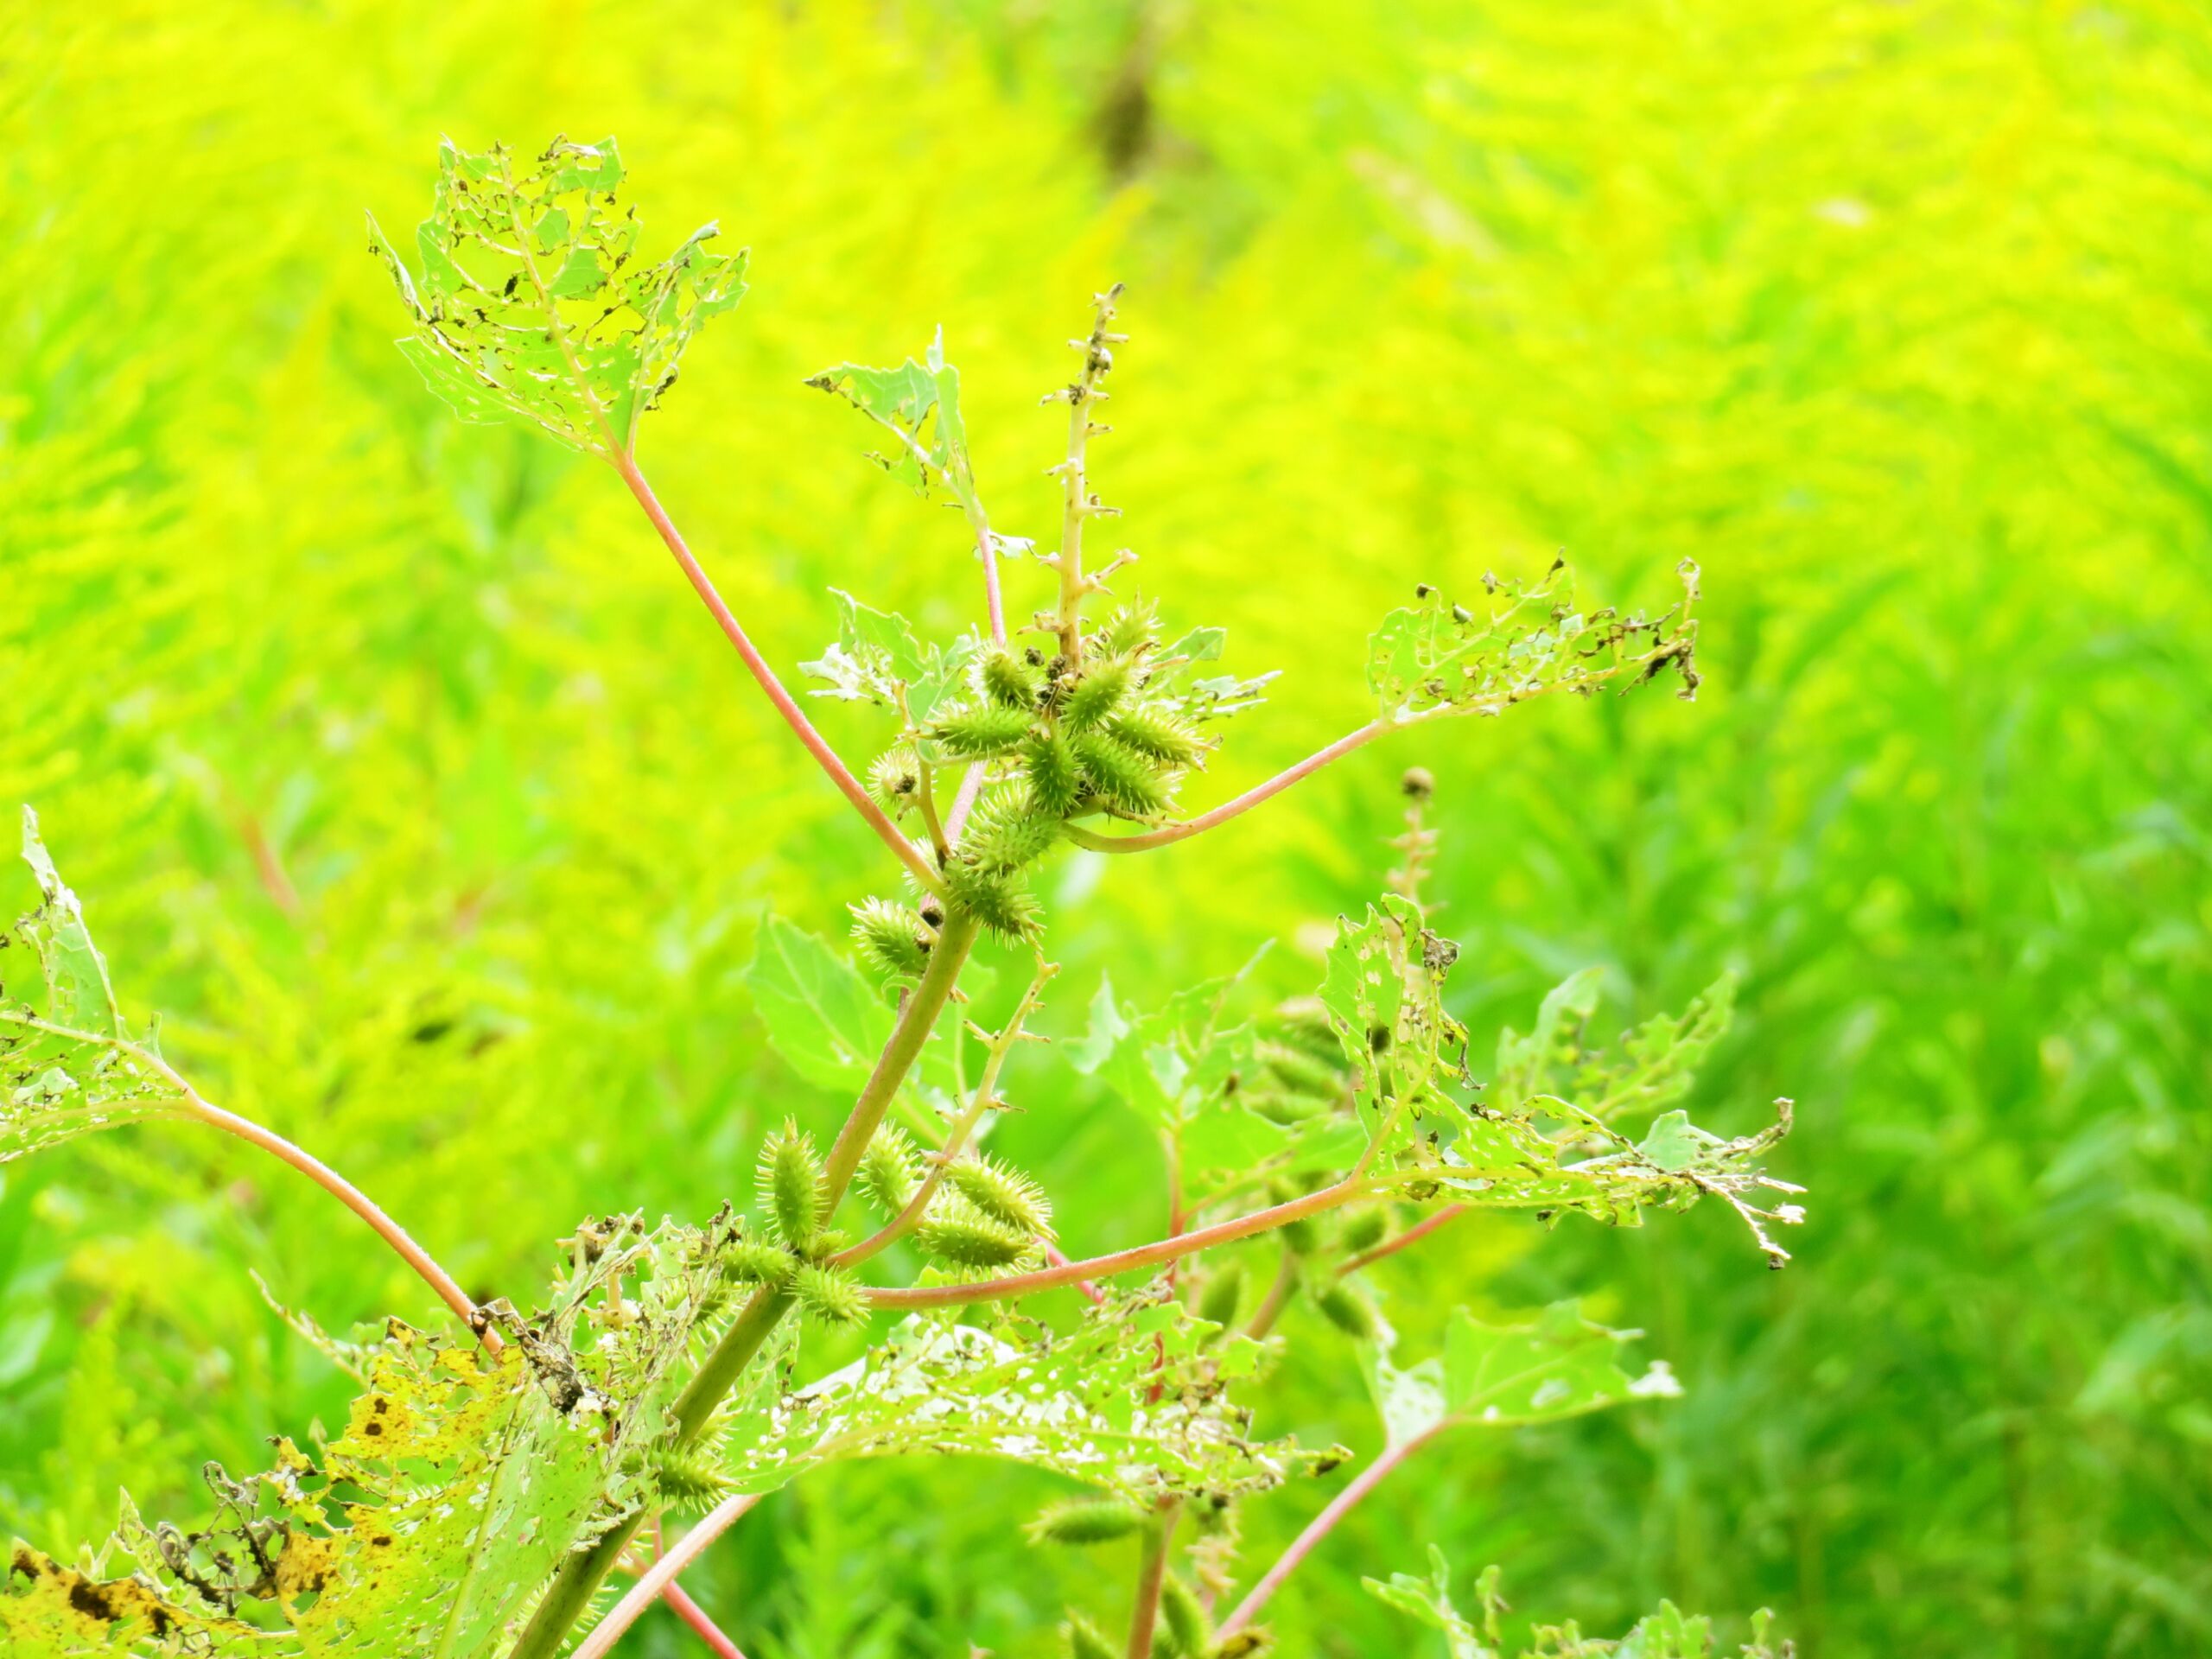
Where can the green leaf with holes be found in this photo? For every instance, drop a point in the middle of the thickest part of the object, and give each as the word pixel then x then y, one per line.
pixel 531 300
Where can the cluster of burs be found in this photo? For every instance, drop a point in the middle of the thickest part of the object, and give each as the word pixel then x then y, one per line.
pixel 1064 737
pixel 973 1213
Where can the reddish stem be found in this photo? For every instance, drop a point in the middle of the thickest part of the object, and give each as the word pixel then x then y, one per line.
pixel 1104 1267
pixel 1319 1528
pixel 660 1577
pixel 299 1158
pixel 794 716
pixel 1451 1213
pixel 1244 804
pixel 1152 1577
pixel 991 599
pixel 696 1615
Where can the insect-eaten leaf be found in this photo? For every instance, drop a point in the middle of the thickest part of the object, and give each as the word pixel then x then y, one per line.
pixel 1435 656
pixel 427 1526
pixel 1504 1376
pixel 531 303
pixel 1131 1402
pixel 918 404
pixel 1384 996
pixel 1429 1600
pixel 875 658
pixel 68 1063
pixel 1667 1634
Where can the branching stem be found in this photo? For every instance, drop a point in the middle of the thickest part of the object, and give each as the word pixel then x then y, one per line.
pixel 582 1574
pixel 983 1099
pixel 1168 834
pixel 662 1573
pixel 1154 1255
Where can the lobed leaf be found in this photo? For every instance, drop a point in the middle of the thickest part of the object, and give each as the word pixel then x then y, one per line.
pixel 1493 1375
pixel 531 303
pixel 875 658
pixel 920 404
pixel 67 1064
pixel 1429 1600
pixel 1434 657
pixel 824 1016
pixel 1383 994
pixel 461 1480
pixel 1080 1403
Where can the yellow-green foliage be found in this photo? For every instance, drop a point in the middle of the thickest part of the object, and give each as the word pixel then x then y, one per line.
pixel 391 753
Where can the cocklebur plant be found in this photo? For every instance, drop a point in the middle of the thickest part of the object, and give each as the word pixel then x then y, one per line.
pixel 496 1482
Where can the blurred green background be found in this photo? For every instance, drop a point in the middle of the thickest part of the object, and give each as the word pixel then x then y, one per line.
pixel 399 773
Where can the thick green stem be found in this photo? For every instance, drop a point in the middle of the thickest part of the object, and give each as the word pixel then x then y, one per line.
pixel 581 1575
pixel 954 941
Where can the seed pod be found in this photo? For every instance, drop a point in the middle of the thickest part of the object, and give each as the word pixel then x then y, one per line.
pixel 1002 1193
pixel 1132 625
pixel 1096 695
pixel 1083 1641
pixel 894 780
pixel 1190 1633
pixel 750 1263
pixel 1303 1071
pixel 886 1171
pixel 689 1479
pixel 1008 831
pixel 1055 779
pixel 999 902
pixel 832 1294
pixel 957 1233
pixel 1119 775
pixel 1347 1310
pixel 1084 1521
pixel 979 734
pixel 1278 1106
pixel 1364 1231
pixel 889 937
pixel 1007 680
pixel 1219 1303
pixel 1157 735
pixel 790 1185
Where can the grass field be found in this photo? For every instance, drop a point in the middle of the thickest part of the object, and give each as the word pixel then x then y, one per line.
pixel 398 773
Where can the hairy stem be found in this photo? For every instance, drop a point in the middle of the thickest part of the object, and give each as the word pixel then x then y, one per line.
pixel 1151 1574
pixel 314 1168
pixel 1077 504
pixel 985 1097
pixel 1278 1297
pixel 954 940
pixel 1142 1255
pixel 1413 1235
pixel 1319 1528
pixel 580 1576
pixel 702 1626
pixel 794 716
pixel 987 551
pixel 662 1574
pixel 925 797
pixel 1169 834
